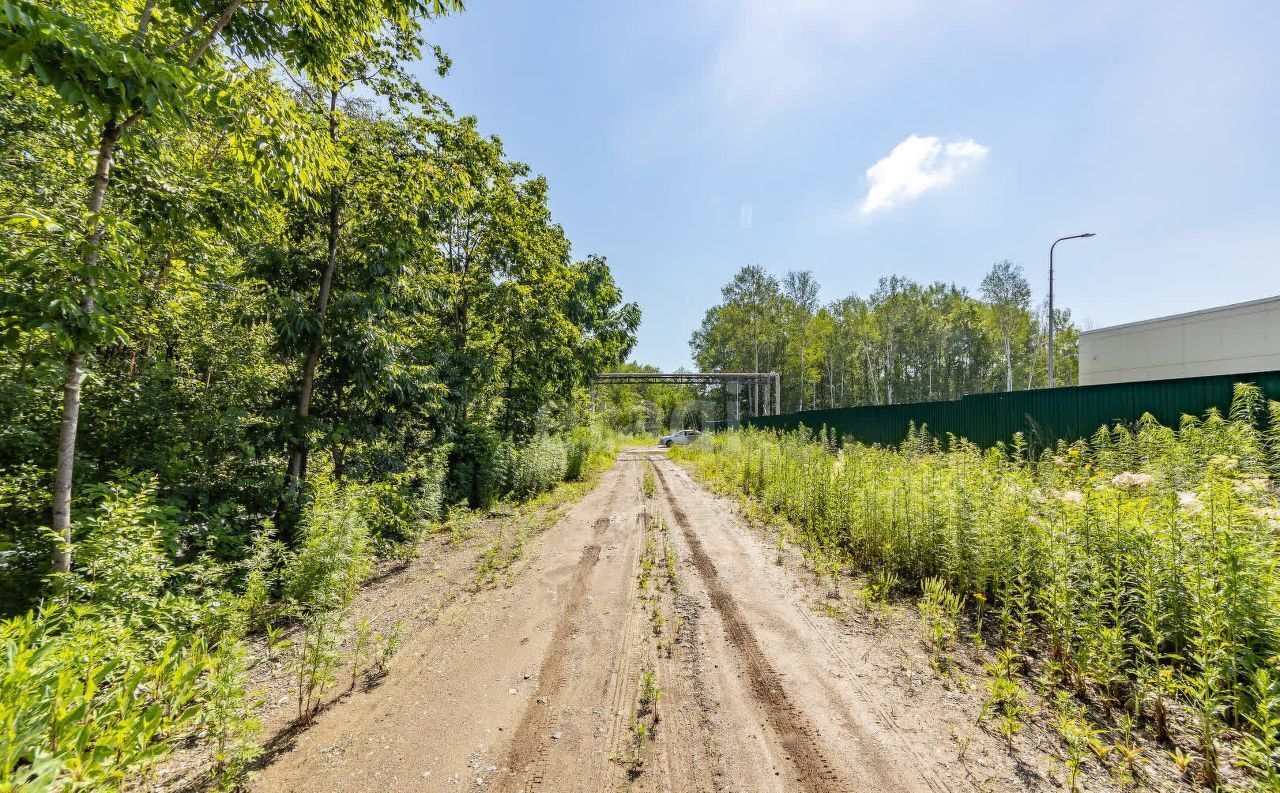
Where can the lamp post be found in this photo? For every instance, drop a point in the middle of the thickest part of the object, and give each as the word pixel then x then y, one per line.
pixel 1051 247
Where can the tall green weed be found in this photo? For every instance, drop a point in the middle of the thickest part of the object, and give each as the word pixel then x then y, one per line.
pixel 130 656
pixel 1145 561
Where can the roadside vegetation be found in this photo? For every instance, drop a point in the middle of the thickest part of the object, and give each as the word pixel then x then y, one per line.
pixel 1133 578
pixel 135 651
pixel 269 310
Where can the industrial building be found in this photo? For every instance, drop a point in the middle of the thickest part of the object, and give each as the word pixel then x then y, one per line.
pixel 1234 339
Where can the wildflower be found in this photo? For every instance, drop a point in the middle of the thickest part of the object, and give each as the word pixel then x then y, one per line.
pixel 1254 484
pixel 1188 501
pixel 1271 514
pixel 1131 479
pixel 1072 497
pixel 1224 462
pixel 1060 461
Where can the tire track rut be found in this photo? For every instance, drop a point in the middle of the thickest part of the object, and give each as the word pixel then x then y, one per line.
pixel 529 746
pixel 799 739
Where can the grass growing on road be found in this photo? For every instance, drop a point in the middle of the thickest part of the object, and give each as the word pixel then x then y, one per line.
pixel 1142 567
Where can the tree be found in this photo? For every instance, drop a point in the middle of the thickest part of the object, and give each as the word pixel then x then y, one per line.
pixel 286 244
pixel 1009 295
pixel 800 296
pixel 376 68
pixel 904 342
pixel 158 61
pixel 744 332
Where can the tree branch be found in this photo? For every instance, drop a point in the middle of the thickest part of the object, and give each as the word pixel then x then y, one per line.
pixel 144 21
pixel 194 29
pixel 133 119
pixel 227 13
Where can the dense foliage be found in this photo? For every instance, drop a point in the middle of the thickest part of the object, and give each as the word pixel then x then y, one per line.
pixel 267 307
pixel 275 270
pixel 1143 563
pixel 905 342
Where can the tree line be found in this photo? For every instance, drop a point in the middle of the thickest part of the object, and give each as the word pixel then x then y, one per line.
pixel 242 240
pixel 904 342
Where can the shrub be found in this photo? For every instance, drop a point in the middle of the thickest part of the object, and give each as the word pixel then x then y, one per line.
pixel 117 667
pixel 121 561
pixel 24 554
pixel 479 467
pixel 334 552
pixel 85 704
pixel 578 454
pixel 589 448
pixel 539 466
pixel 398 508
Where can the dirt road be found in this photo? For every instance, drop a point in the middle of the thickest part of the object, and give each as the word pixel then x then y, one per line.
pixel 647 643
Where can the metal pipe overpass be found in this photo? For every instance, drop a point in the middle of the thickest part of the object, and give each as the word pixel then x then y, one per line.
pixel 700 378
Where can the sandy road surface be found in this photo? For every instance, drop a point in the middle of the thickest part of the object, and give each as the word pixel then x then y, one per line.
pixel 604 666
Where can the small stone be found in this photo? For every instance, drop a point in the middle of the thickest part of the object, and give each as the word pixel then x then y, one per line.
pixel 555 736
pixel 511 691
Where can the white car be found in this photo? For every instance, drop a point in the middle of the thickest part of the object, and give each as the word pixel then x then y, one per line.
pixel 679 438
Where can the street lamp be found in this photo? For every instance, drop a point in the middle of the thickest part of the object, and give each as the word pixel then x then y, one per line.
pixel 1051 247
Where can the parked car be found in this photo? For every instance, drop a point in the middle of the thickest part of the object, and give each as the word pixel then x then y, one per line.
pixel 679 438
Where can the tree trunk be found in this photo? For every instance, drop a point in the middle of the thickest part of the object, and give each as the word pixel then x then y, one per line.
pixel 339 461
pixel 1008 363
pixel 298 458
pixel 871 375
pixel 800 381
pixel 888 377
pixel 66 463
pixel 755 367
pixel 65 466
pixel 1008 357
pixel 831 383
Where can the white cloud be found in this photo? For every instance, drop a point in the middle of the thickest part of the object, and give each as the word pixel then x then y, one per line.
pixel 745 216
pixel 915 166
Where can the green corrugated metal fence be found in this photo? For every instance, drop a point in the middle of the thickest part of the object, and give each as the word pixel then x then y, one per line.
pixel 1042 415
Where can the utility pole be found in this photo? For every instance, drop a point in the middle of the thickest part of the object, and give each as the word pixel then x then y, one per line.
pixel 1086 235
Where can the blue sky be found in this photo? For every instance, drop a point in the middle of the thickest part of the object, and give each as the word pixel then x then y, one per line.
pixel 868 137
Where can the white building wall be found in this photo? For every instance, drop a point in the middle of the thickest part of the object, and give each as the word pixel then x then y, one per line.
pixel 1244 337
